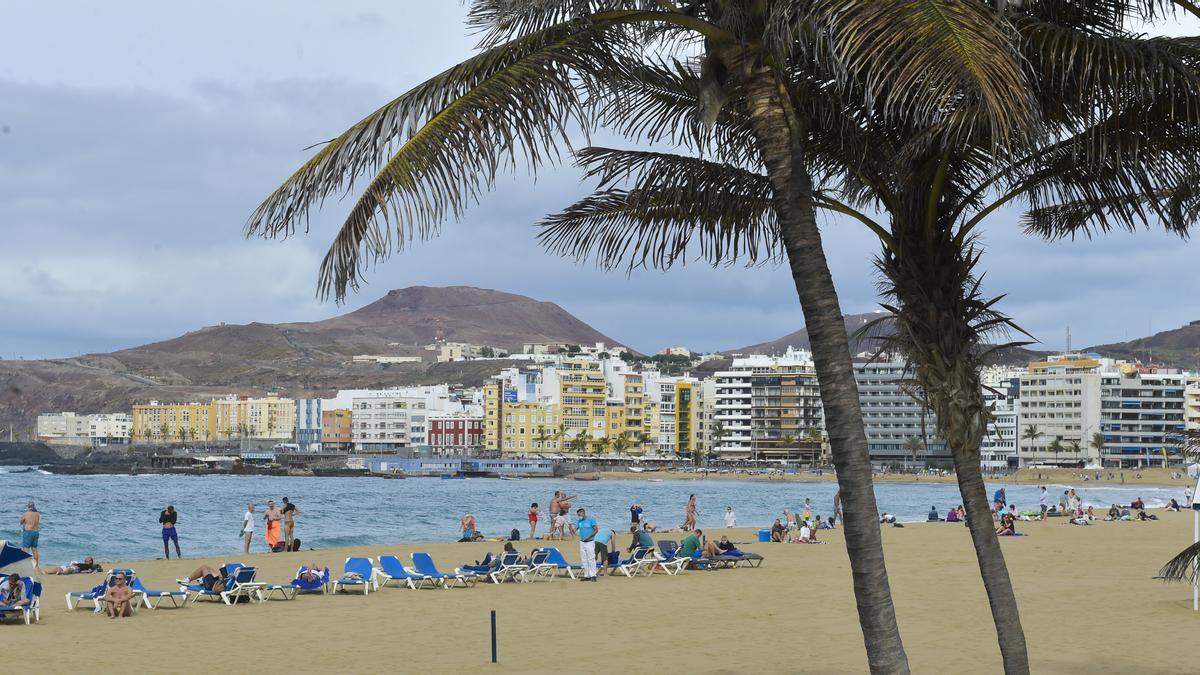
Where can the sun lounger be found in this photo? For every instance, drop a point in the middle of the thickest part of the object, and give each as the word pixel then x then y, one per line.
pixel 243 586
pixel 298 585
pixel 31 612
pixel 538 567
pixel 74 599
pixel 358 572
pixel 673 562
pixel 197 591
pixel 560 563
pixel 510 568
pixel 738 559
pixel 177 598
pixel 424 564
pixel 482 571
pixel 635 563
pixel 391 569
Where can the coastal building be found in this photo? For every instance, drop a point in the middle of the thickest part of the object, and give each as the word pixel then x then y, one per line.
pixel 678 415
pixel 308 424
pixel 998 449
pixel 530 427
pixel 901 429
pixel 110 428
pixel 768 408
pixel 263 418
pixel 62 426
pixel 388 424
pixel 384 359
pixel 455 434
pixel 675 351
pixel 336 430
pixel 579 391
pixel 1191 404
pixel 1141 415
pixel 158 422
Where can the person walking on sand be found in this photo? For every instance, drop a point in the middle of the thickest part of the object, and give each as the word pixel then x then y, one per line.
pixel 689 518
pixel 533 518
pixel 167 519
pixel 588 528
pixel 837 506
pixel 1044 501
pixel 31 530
pixel 247 528
pixel 271 519
pixel 730 517
pixel 289 522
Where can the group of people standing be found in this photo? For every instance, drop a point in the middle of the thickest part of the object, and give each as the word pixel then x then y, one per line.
pixel 274 519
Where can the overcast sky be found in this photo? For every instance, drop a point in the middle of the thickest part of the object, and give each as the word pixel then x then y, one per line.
pixel 136 137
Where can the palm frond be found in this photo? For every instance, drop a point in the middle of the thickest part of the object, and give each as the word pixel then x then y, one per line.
pixel 1183 566
pixel 674 203
pixel 513 104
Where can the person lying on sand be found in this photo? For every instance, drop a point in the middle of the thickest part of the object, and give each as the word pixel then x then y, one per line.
pixel 74 567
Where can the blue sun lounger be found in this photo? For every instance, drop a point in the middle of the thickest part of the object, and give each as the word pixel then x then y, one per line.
pixel 298 585
pixel 33 592
pixel 76 598
pixel 538 567
pixel 424 565
pixel 641 559
pixel 510 567
pixel 557 563
pixel 177 598
pixel 357 572
pixel 391 569
pixel 198 591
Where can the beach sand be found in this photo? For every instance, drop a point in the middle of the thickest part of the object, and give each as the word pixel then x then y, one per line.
pixel 1087 599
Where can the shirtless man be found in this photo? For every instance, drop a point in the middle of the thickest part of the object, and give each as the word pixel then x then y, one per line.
pixel 116 599
pixel 564 508
pixel 271 519
pixel 31 522
pixel 289 522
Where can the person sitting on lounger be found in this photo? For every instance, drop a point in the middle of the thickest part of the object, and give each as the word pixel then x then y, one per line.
pixel 694 542
pixel 313 573
pixel 12 592
pixel 75 567
pixel 725 546
pixel 117 597
pixel 1008 526
pixel 211 579
pixel 641 539
pixel 778 531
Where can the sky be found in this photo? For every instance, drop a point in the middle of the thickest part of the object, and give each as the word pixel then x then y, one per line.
pixel 136 138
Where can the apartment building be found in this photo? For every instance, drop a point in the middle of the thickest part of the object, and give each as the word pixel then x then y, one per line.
pixel 158 422
pixel 998 450
pixel 337 430
pixel 63 425
pixel 1141 415
pixel 110 428
pixel 266 418
pixel 308 424
pixel 579 389
pixel 534 428
pixel 768 407
pixel 455 434
pixel 900 428
pixel 1191 404
pixel 388 424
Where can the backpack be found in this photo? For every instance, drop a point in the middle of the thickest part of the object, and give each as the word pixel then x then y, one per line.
pixel 515 535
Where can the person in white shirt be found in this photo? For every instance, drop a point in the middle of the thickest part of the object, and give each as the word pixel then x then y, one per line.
pixel 730 517
pixel 247 528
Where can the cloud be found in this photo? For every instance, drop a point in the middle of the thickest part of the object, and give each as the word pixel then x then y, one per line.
pixel 126 177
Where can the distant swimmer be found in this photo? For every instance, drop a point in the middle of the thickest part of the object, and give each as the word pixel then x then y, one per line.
pixel 168 518
pixel 31 523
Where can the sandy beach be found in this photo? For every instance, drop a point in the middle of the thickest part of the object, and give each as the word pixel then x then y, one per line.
pixel 1087 598
pixel 1147 477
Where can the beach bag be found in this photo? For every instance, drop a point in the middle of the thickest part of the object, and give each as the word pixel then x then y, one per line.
pixel 515 535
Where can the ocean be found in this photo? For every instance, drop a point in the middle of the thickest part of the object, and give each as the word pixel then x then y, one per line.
pixel 116 517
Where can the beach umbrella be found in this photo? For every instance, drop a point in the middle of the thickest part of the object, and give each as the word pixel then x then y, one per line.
pixel 13 559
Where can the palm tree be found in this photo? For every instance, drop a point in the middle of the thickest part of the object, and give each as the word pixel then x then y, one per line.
pixel 1031 434
pixel 643 439
pixel 776 85
pixel 1098 443
pixel 1075 447
pixel 542 437
pixel 621 444
pixel 1056 447
pixel 600 444
pixel 913 445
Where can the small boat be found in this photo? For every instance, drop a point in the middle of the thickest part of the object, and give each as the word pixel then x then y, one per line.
pixel 510 478
pixel 594 476
pixel 655 480
pixel 453 476
pixel 397 474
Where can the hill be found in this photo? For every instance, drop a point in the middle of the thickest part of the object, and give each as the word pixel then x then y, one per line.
pixel 1178 348
pixel 297 359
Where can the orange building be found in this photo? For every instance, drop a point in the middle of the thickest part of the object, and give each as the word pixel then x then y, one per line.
pixel 335 430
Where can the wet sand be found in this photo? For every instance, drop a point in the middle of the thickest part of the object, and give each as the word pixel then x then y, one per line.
pixel 1088 605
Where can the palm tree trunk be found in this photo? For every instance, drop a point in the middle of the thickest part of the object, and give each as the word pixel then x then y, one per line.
pixel 780 136
pixel 988 553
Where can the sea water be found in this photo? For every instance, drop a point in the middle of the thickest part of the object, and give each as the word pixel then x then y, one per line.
pixel 116 517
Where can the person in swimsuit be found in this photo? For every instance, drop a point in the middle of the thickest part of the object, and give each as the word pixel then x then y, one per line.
pixel 289 522
pixel 168 518
pixel 31 522
pixel 467 525
pixel 564 509
pixel 271 519
pixel 117 597
pixel 689 519
pixel 533 518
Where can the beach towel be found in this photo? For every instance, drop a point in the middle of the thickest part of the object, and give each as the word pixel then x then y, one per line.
pixel 273 533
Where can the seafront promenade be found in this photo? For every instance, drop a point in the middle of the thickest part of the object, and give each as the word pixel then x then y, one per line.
pixel 1088 604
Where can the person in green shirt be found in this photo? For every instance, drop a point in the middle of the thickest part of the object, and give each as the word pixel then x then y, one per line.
pixel 692 543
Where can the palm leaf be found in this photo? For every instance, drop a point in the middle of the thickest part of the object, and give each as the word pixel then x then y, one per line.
pixel 675 202
pixel 1183 566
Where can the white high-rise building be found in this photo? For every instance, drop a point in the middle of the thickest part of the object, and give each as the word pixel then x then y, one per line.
pixel 1141 415
pixel 768 407
pixel 998 450
pixel 1060 410
pixel 894 413
pixel 388 423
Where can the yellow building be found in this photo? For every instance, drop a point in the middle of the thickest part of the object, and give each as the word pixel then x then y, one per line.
pixel 269 418
pixel 172 422
pixel 582 398
pixel 530 428
pixel 493 393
